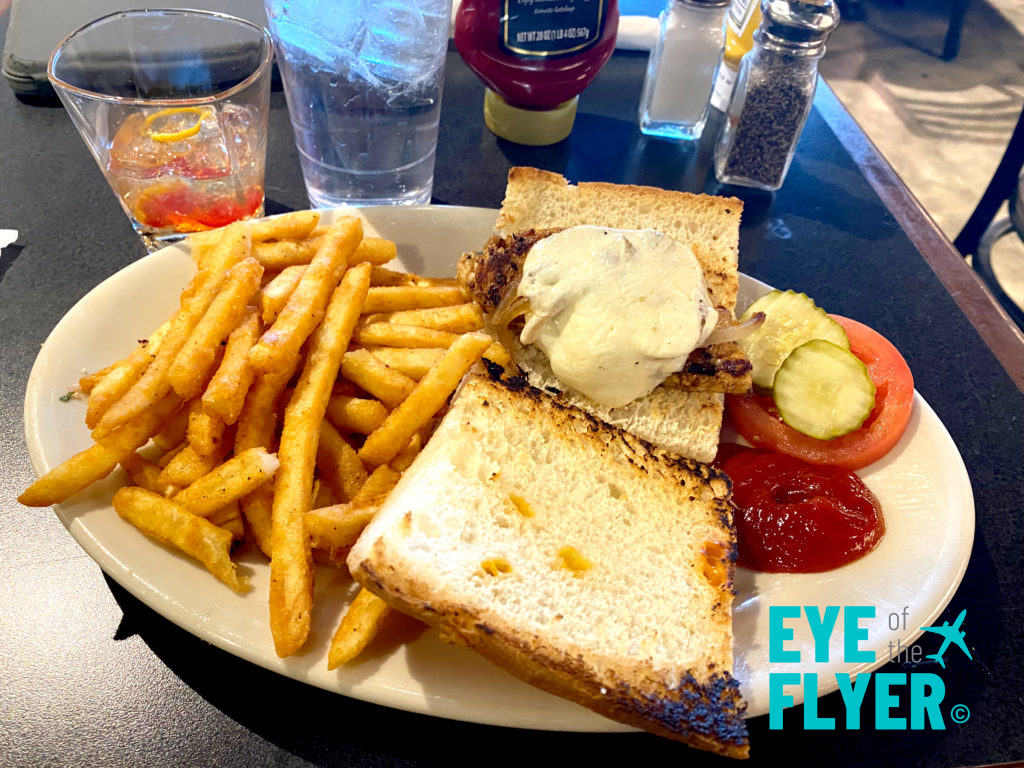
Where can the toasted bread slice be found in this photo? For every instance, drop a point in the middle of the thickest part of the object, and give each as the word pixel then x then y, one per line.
pixel 581 559
pixel 687 423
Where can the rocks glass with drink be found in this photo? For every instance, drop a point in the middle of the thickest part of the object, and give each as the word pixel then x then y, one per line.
pixel 363 83
pixel 173 105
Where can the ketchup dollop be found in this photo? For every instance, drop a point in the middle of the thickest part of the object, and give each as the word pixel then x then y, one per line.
pixel 798 517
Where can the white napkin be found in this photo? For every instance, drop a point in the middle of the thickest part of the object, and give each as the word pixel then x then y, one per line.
pixel 7 236
pixel 637 33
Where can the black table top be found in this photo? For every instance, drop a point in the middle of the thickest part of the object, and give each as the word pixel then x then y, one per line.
pixel 93 677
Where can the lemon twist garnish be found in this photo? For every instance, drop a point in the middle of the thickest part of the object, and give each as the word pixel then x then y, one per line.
pixel 181 133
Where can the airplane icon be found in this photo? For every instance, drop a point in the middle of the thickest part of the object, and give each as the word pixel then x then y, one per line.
pixel 949 635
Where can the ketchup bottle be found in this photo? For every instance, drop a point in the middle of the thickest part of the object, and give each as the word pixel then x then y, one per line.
pixel 535 57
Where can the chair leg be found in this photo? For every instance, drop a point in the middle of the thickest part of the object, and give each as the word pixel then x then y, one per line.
pixel 956 27
pixel 1004 181
pixel 982 263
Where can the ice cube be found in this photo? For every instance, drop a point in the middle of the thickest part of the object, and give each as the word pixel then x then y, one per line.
pixel 135 153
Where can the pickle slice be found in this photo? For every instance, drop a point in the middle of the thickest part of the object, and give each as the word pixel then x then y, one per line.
pixel 823 390
pixel 791 319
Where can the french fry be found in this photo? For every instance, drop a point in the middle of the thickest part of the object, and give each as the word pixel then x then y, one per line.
pixel 384 276
pixel 257 423
pixel 291 575
pixel 197 297
pixel 272 299
pixel 120 377
pixel 337 527
pixel 233 244
pixel 256 428
pixel 424 401
pixel 274 295
pixel 458 318
pixel 168 456
pixel 380 481
pixel 99 459
pixel 188 465
pixel 288 226
pixel 88 382
pixel 283 254
pixel 257 509
pixel 204 431
pixel 276 255
pixel 498 354
pixel 172 434
pixel 204 241
pixel 366 371
pixel 355 414
pixel 192 366
pixel 235 478
pixel 404 458
pixel 399 297
pixel 280 344
pixel 395 335
pixel 375 250
pixel 294 225
pixel 200 250
pixel 172 524
pixel 340 467
pixel 414 362
pixel 225 394
pixel 362 622
pixel 142 472
pixel 230 519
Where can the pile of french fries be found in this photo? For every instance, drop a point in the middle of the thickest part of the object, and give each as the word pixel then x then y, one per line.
pixel 278 405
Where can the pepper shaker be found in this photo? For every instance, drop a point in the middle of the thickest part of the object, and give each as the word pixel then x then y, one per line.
pixel 774 92
pixel 682 68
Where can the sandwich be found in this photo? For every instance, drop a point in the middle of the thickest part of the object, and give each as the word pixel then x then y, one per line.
pixel 684 412
pixel 552 523
pixel 578 557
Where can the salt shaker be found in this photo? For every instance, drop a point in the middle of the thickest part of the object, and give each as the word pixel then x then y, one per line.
pixel 774 92
pixel 682 68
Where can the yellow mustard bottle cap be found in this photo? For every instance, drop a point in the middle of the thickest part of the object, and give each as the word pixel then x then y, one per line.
pixel 533 127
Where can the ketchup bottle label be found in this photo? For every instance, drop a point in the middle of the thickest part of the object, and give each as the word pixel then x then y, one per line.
pixel 542 28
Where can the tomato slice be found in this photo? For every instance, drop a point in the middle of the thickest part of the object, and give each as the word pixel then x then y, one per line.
pixel 756 418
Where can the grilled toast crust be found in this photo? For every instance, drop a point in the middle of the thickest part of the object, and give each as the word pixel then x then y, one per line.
pixel 698 704
pixel 706 712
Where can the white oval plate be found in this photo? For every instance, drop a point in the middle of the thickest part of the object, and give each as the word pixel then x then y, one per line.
pixel 922 484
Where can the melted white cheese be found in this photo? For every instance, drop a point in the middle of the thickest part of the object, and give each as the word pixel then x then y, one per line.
pixel 616 311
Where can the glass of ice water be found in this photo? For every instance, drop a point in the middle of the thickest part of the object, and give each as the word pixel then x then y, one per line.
pixel 173 105
pixel 363 82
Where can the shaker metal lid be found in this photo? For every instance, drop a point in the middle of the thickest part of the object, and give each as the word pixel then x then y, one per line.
pixel 800 21
pixel 707 3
